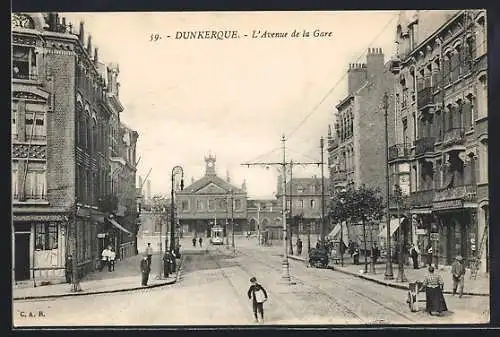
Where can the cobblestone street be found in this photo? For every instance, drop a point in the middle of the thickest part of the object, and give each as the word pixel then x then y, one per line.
pixel 212 291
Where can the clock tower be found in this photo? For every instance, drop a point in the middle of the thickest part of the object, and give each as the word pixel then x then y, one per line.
pixel 210 165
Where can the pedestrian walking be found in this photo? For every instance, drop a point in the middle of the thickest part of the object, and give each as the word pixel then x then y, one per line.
pixel 149 253
pixel 434 298
pixel 112 258
pixel 145 269
pixel 299 246
pixel 355 256
pixel 194 241
pixel 429 255
pixel 105 258
pixel 173 263
pixel 458 275
pixel 258 295
pixel 375 253
pixel 200 241
pixel 414 256
pixel 68 269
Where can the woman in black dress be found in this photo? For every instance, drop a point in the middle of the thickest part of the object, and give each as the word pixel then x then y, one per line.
pixel 434 292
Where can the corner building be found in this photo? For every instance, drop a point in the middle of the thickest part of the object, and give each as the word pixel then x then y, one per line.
pixel 60 138
pixel 441 130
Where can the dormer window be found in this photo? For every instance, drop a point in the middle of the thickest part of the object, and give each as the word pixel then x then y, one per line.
pixel 300 189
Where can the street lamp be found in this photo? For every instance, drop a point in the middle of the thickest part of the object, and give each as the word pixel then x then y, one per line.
pixel 388 266
pixel 175 170
pixel 401 272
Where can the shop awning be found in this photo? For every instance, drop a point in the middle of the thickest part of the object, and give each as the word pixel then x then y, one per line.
pixel 336 232
pixel 394 227
pixel 120 227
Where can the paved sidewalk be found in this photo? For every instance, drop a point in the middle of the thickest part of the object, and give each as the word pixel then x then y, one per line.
pixel 125 277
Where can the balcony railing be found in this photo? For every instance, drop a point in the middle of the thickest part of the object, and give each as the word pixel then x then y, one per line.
pixel 424 145
pixel 399 151
pixel 24 76
pixel 421 198
pixel 455 136
pixel 425 98
pixel 464 192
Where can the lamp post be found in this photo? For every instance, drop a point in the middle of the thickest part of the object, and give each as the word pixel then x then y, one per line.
pixel 341 245
pixel 401 272
pixel 175 170
pixel 388 266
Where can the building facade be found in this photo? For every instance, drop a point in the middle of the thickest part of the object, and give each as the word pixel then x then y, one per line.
pixel 60 165
pixel 440 154
pixel 211 200
pixel 356 145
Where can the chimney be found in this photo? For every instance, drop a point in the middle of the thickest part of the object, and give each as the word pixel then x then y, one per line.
pixel 89 45
pixel 81 33
pixel 96 55
pixel 52 22
pixel 375 62
pixel 64 25
pixel 356 77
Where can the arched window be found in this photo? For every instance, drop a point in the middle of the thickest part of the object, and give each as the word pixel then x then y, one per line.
pixel 88 123
pixel 95 140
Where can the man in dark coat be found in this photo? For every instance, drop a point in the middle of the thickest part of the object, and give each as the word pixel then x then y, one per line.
pixel 145 269
pixel 167 261
pixel 258 295
pixel 458 275
pixel 299 246
pixel 68 268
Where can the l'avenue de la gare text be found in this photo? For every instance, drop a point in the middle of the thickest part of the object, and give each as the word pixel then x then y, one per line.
pixel 256 34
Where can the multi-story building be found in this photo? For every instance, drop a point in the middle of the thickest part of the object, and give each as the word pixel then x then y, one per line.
pixel 265 218
pixel 441 147
pixel 356 146
pixel 60 165
pixel 207 201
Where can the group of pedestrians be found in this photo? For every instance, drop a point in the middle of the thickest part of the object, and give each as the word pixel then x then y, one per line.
pixel 200 241
pixel 108 258
pixel 169 263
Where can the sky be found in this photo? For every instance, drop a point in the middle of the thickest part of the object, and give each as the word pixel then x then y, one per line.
pixel 233 98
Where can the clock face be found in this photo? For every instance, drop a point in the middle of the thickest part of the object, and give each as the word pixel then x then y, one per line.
pixel 210 164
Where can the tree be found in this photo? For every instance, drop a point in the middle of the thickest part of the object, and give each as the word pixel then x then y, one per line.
pixel 357 204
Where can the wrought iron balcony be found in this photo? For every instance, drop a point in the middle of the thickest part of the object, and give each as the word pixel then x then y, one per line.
pixel 421 198
pixel 399 151
pixel 425 99
pixel 424 145
pixel 464 192
pixel 455 136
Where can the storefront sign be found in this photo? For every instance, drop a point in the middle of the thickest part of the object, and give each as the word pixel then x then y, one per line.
pixel 101 235
pixel 435 236
pixel 448 204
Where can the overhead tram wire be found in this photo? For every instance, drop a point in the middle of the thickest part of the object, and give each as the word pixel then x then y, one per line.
pixel 338 82
pixel 265 154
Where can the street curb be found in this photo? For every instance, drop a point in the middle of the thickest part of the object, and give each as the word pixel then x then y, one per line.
pixel 387 284
pixel 106 291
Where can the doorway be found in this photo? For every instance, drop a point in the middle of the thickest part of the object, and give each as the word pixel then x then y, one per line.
pixel 22 257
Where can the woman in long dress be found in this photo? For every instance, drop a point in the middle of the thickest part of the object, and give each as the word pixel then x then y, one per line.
pixel 434 292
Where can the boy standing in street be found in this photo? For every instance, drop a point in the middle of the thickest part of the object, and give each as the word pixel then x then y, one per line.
pixel 258 295
pixel 145 270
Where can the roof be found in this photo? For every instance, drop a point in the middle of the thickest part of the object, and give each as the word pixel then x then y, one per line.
pixel 211 179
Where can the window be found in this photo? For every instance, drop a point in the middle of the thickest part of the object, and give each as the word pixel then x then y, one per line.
pixel 14 186
pixel 237 204
pixel 199 204
pixel 300 189
pixel 88 124
pixel 313 189
pixel 288 204
pixel 46 236
pixel 35 186
pixel 95 188
pixel 211 204
pixel 299 203
pixel 312 203
pixel 436 80
pixel 185 205
pixel 88 187
pixel 95 140
pixel 35 125
pixel 24 63
pixel 405 132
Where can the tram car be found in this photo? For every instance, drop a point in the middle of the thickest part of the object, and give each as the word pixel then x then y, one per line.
pixel 217 235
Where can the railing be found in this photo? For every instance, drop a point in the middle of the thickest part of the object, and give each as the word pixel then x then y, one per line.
pixel 421 198
pixel 23 76
pixel 399 151
pixel 425 98
pixel 464 192
pixel 424 145
pixel 454 136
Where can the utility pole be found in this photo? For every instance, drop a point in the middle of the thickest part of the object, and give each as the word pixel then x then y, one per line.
pixel 322 224
pixel 285 265
pixel 227 221
pixel 388 265
pixel 258 224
